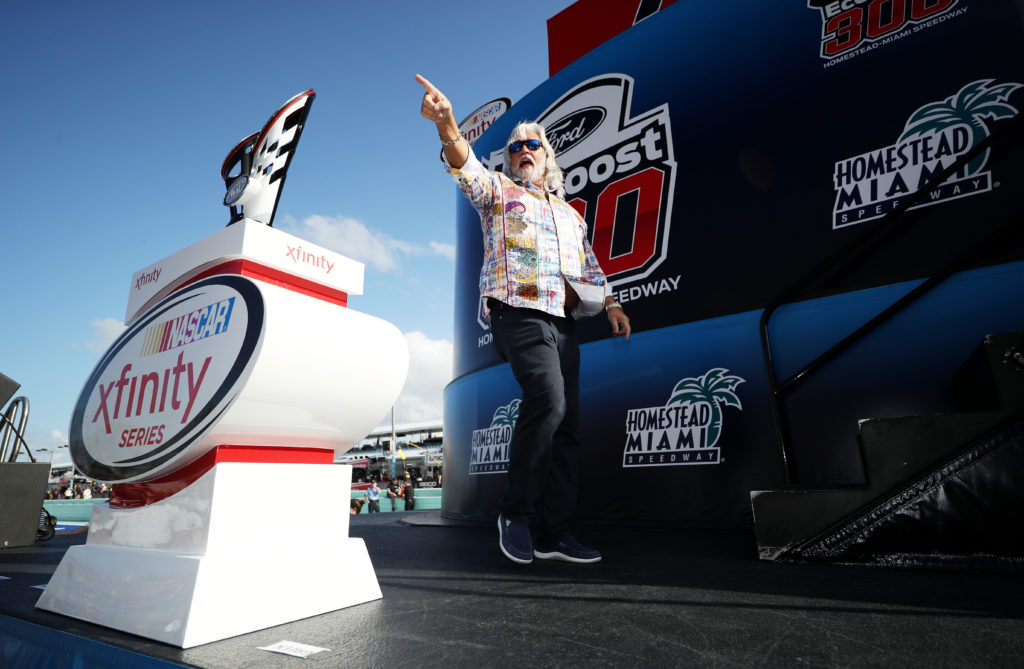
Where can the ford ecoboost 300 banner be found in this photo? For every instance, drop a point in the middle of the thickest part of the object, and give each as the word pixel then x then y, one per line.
pixel 720 151
pixel 166 381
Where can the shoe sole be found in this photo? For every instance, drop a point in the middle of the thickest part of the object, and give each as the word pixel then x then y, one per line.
pixel 517 560
pixel 556 555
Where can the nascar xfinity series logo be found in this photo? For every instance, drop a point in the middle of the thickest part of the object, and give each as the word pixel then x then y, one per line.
pixel 207 321
pixel 167 380
pixel 870 185
pixel 852 27
pixel 489 453
pixel 686 430
pixel 619 174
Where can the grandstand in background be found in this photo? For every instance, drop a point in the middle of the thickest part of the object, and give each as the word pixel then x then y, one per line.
pixel 418 449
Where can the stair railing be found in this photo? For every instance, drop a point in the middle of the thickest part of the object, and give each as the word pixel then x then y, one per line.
pixel 8 429
pixel 874 235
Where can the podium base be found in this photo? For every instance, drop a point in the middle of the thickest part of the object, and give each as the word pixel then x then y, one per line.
pixel 190 570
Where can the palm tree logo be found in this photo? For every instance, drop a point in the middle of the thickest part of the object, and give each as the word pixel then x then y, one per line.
pixel 506 415
pixel 715 389
pixel 970 106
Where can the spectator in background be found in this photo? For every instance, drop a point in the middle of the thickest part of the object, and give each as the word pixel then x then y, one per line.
pixel 373 498
pixel 392 492
pixel 409 493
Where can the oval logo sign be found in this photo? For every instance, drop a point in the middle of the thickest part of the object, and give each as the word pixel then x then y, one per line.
pixel 167 380
pixel 570 130
pixel 482 118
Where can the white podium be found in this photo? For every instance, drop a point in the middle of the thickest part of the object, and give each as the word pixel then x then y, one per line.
pixel 216 416
pixel 245 547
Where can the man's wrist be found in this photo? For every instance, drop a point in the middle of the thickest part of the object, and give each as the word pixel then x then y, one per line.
pixel 448 132
pixel 449 142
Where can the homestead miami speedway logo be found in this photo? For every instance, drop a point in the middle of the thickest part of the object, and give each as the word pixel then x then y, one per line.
pixel 872 184
pixel 489 454
pixel 619 175
pixel 167 380
pixel 685 431
pixel 853 27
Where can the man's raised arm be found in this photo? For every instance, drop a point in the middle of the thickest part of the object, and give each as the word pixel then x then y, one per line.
pixel 438 109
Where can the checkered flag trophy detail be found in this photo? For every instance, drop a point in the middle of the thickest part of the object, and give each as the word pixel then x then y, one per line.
pixel 262 160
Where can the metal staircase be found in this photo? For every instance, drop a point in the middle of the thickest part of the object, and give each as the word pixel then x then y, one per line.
pixel 942 490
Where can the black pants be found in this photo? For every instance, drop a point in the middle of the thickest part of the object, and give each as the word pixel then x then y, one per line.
pixel 544 454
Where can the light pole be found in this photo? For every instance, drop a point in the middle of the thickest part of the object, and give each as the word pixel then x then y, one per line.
pixel 393 437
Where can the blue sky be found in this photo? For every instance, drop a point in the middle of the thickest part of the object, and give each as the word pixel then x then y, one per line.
pixel 117 117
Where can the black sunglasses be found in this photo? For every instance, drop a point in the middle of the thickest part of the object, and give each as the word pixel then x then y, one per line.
pixel 531 144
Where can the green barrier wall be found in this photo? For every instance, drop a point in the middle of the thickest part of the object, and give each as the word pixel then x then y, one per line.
pixel 80 510
pixel 72 510
pixel 426 498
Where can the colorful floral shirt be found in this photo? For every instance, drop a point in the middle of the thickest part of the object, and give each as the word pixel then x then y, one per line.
pixel 533 241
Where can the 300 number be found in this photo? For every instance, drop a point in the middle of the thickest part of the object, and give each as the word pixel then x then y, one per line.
pixel 855 23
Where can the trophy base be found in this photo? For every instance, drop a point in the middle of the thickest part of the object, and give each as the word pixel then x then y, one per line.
pixel 246 547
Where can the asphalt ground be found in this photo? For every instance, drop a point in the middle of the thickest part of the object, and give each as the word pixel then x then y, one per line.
pixel 662 596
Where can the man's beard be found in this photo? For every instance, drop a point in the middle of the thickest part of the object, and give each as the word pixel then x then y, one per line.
pixel 531 173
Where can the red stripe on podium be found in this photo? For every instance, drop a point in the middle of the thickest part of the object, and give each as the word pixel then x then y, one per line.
pixel 134 495
pixel 255 270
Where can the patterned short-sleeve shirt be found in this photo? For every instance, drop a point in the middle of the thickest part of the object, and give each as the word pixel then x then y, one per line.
pixel 533 241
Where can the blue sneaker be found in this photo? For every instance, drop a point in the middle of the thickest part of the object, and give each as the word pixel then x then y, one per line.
pixel 568 550
pixel 514 540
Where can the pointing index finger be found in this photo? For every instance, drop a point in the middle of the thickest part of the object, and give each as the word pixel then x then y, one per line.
pixel 425 84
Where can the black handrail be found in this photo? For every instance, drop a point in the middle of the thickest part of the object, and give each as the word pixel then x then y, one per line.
pixel 885 225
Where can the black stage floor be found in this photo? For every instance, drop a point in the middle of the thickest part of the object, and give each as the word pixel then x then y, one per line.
pixel 661 597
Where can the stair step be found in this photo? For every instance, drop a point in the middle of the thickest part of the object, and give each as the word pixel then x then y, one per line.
pixel 896 449
pixel 784 519
pixel 992 377
pixel 989 387
pixel 961 514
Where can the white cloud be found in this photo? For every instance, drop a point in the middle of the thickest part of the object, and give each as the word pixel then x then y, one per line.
pixel 430 370
pixel 104 332
pixel 446 250
pixel 350 237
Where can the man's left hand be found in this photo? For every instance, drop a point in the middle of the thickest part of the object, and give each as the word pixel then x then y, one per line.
pixel 620 323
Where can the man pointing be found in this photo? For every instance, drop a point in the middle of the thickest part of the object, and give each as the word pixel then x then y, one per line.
pixel 539 275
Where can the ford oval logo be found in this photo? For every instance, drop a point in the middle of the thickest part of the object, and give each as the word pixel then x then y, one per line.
pixel 570 130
